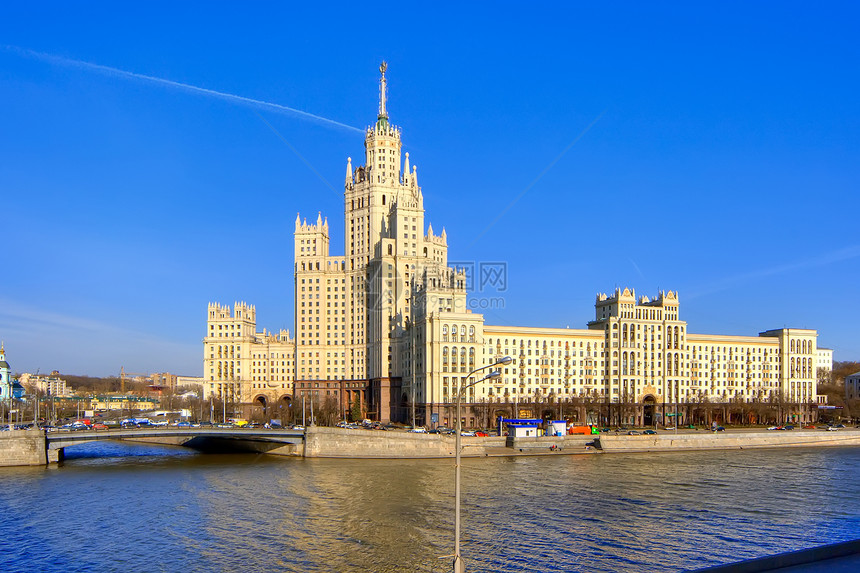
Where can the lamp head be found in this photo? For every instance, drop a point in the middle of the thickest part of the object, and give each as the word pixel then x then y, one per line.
pixel 494 374
pixel 505 360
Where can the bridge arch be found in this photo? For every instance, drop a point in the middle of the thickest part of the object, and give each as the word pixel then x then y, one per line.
pixel 197 438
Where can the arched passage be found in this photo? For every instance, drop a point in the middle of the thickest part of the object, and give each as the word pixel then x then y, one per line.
pixel 259 410
pixel 648 408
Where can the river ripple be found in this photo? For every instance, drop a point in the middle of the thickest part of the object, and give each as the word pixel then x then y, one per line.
pixel 118 507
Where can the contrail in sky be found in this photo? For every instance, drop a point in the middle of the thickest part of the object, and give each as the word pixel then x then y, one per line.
pixel 824 259
pixel 59 60
pixel 536 179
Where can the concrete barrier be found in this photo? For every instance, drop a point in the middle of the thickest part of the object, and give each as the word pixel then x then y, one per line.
pixel 570 444
pixel 668 442
pixel 322 442
pixel 23 448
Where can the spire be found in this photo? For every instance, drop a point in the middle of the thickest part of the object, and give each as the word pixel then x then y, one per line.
pixel 348 171
pixel 429 229
pixel 298 222
pixel 319 218
pixel 406 170
pixel 415 175
pixel 382 111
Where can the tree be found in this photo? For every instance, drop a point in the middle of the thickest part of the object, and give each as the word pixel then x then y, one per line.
pixel 593 405
pixel 355 410
pixel 328 412
pixel 626 407
pixel 481 410
pixel 843 369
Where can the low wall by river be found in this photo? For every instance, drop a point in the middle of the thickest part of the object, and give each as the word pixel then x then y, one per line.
pixel 22 448
pixel 28 447
pixel 665 442
pixel 322 442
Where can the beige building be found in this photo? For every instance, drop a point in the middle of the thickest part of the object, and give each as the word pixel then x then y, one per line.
pixel 189 381
pixel 387 325
pixel 46 385
pixel 164 380
pixel 123 403
pixel 242 366
pixel 637 352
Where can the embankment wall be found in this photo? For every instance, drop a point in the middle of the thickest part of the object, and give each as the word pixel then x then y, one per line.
pixel 323 442
pixel 23 448
pixel 727 441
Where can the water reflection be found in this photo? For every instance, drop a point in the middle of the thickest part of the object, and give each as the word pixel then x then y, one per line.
pixel 185 511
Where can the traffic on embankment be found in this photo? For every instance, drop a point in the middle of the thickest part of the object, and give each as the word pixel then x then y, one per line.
pixel 33 446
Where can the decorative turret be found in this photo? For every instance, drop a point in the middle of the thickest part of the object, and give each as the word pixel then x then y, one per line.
pixel 406 171
pixel 349 181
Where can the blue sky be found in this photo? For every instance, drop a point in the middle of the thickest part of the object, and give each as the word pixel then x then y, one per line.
pixel 708 148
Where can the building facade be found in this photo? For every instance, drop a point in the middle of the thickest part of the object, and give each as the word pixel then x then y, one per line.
pixel 852 386
pixel 386 326
pixel 51 385
pixel 245 368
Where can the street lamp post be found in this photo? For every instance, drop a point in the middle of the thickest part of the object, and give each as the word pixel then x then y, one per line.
pixel 459 566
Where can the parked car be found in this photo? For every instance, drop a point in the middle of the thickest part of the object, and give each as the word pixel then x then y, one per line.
pixel 419 430
pixel 633 433
pixel 467 433
pixel 481 434
pixel 650 432
pixel 719 429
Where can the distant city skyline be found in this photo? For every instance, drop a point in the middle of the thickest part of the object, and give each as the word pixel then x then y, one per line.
pixel 659 148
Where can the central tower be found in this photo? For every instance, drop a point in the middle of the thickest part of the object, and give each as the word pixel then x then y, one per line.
pixel 384 245
pixel 350 309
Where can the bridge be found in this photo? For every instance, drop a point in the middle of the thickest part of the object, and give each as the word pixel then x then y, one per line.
pixel 259 440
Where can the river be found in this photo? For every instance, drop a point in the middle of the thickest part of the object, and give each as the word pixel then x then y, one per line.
pixel 142 508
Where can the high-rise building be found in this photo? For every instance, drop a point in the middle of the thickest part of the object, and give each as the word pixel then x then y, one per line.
pixel 387 327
